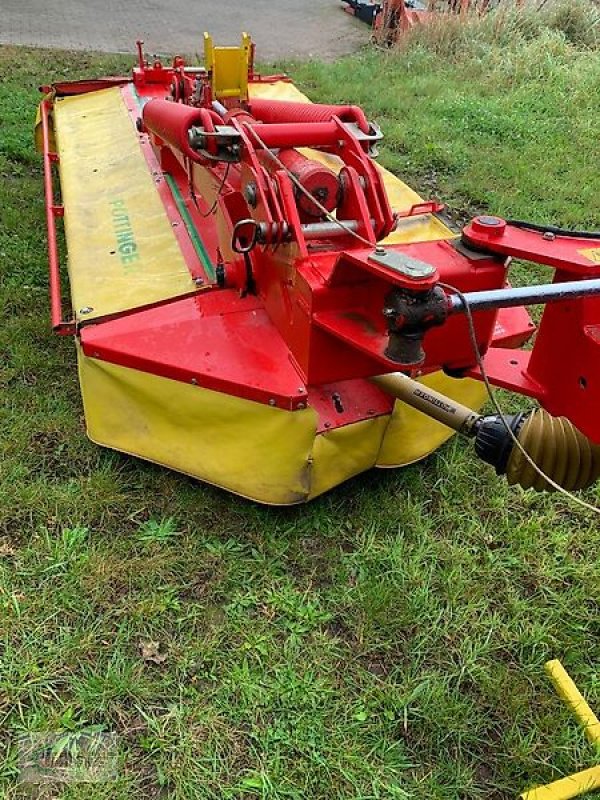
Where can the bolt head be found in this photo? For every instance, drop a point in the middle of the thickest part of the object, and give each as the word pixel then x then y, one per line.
pixel 251 194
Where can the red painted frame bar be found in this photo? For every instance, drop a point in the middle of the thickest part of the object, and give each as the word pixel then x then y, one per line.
pixel 564 252
pixel 59 325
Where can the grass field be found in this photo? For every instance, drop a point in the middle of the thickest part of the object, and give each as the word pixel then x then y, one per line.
pixel 385 641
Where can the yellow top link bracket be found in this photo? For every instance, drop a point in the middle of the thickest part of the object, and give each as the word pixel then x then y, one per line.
pixel 228 68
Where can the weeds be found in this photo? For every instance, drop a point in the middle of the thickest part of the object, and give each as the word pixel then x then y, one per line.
pixel 159 531
pixel 505 32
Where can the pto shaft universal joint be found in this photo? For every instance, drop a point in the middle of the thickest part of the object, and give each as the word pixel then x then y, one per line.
pixel 409 315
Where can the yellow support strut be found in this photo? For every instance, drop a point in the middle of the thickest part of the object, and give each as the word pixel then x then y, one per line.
pixel 580 782
pixel 564 685
pixel 566 788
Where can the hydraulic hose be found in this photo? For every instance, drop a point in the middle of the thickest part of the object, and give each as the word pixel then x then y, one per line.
pixel 533 226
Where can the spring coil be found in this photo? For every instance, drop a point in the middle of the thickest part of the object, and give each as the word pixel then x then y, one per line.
pixel 561 451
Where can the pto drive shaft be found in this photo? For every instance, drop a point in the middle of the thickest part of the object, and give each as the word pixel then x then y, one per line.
pixel 564 454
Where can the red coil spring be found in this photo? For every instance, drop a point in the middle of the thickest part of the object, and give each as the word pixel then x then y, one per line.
pixel 288 111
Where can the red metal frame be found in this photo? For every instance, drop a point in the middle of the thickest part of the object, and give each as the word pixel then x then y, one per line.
pixel 562 252
pixel 298 317
pixel 562 370
pixel 53 210
pixel 308 292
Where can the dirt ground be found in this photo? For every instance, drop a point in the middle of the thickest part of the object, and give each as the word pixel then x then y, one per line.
pixel 281 29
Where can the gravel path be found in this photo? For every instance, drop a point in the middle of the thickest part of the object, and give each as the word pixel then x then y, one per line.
pixel 280 28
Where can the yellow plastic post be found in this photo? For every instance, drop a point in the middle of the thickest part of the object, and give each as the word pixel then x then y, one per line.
pixel 589 779
pixel 566 688
pixel 566 788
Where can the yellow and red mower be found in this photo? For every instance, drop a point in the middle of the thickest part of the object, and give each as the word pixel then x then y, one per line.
pixel 258 304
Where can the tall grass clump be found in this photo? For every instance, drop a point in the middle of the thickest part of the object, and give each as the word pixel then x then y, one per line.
pixel 491 112
pixel 510 28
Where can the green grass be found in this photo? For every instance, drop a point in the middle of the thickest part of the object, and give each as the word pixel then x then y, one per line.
pixel 385 641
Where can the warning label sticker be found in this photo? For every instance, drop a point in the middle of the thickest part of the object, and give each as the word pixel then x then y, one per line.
pixel 592 253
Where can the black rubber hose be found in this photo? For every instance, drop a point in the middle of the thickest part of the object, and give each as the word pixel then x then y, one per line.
pixel 532 226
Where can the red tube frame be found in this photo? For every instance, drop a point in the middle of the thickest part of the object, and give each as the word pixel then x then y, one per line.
pixel 59 325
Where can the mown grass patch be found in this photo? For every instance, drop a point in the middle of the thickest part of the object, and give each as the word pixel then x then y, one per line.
pixel 385 641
